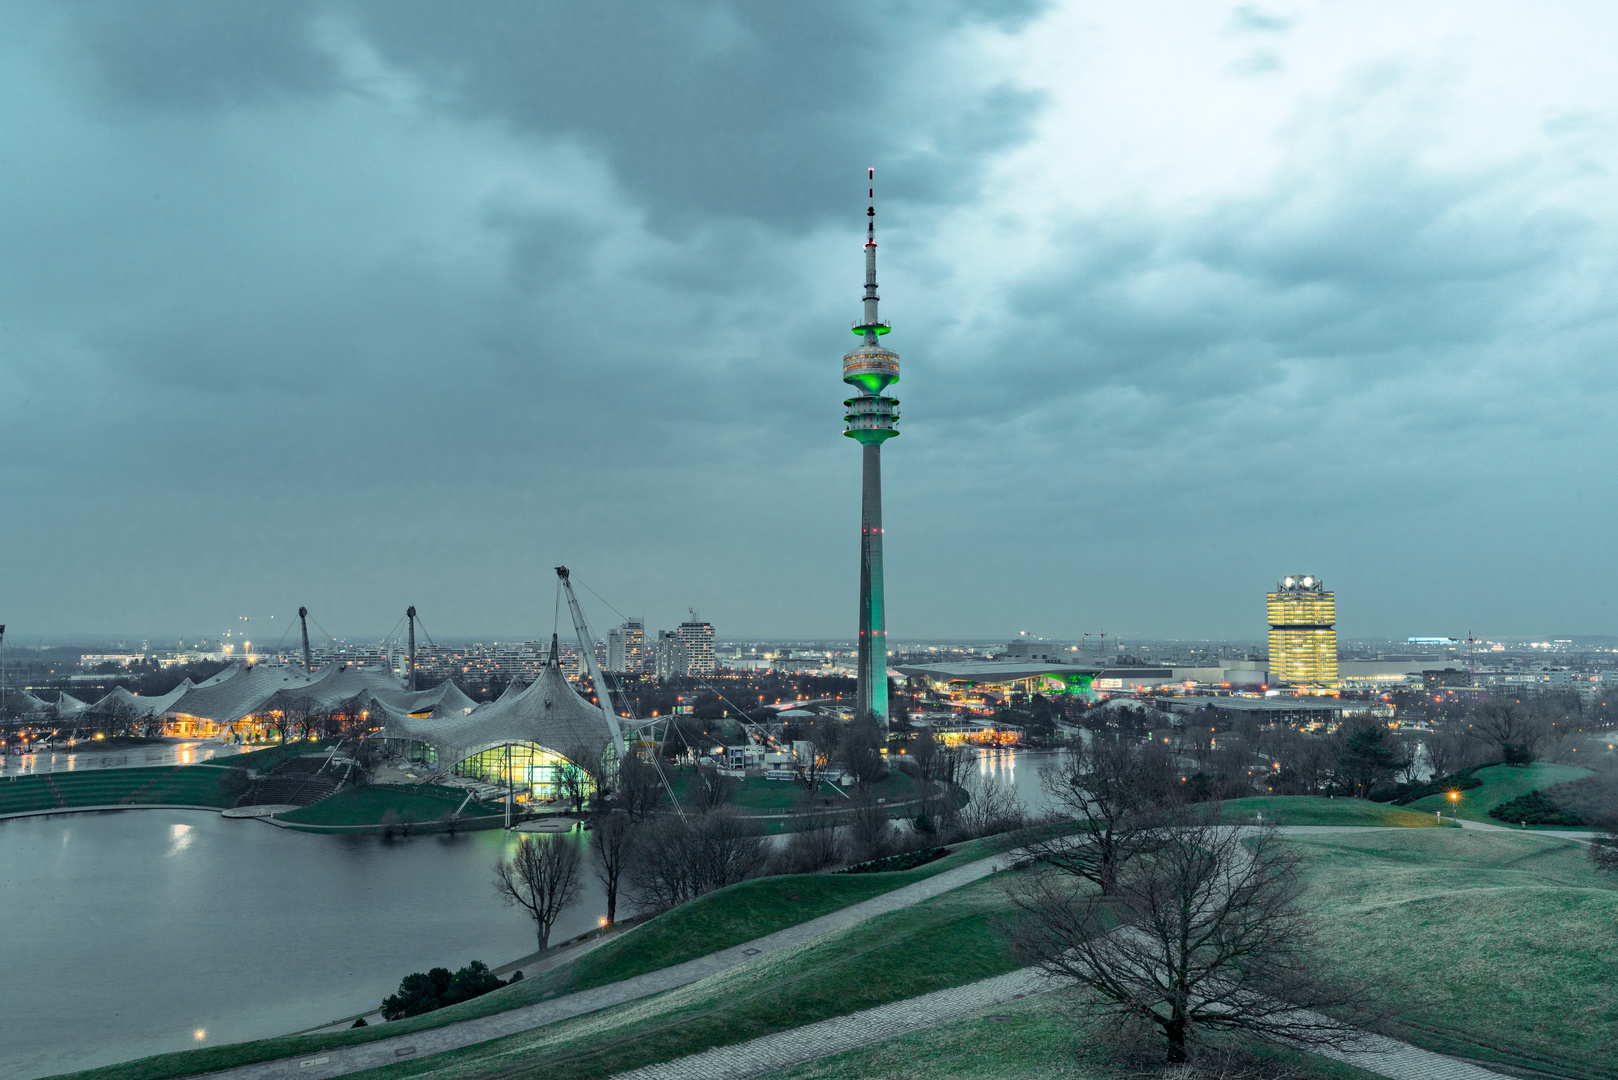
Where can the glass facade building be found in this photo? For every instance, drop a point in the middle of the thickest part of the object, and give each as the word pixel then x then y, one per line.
pixel 1303 634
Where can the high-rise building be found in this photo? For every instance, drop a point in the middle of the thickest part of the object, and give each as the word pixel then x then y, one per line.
pixel 1303 633
pixel 871 418
pixel 670 660
pixel 616 660
pixel 634 633
pixel 697 638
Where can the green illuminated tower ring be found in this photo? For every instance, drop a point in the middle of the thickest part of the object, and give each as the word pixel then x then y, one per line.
pixel 871 418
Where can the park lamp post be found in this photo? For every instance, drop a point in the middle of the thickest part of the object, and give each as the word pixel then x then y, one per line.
pixel 1454 801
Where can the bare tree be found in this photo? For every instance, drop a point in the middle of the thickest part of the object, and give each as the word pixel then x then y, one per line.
pixel 542 878
pixel 1215 938
pixel 675 860
pixel 1115 789
pixel 640 788
pixel 611 840
pixel 862 753
pixel 991 807
pixel 1515 733
pixel 870 828
pixel 580 777
pixel 817 846
pixel 710 788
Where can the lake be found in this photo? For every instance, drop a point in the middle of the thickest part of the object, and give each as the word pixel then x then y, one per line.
pixel 126 932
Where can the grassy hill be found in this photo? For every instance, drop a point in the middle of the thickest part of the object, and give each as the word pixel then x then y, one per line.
pixel 1318 810
pixel 1485 944
pixel 1501 783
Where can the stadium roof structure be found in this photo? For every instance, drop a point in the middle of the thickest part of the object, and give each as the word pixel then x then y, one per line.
pixel 143 706
pixel 549 714
pixel 244 690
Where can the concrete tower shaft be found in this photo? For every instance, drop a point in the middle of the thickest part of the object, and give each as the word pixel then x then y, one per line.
pixel 871 418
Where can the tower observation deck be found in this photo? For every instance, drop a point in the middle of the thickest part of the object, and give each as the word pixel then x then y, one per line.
pixel 871 418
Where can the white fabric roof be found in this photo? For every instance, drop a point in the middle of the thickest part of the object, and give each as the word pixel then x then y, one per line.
pixel 143 706
pixel 549 713
pixel 68 705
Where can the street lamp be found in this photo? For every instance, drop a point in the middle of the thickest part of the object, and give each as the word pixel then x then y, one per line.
pixel 1454 801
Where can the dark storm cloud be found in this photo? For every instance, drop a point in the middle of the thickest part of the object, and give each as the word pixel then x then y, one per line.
pixel 356 305
pixel 703 109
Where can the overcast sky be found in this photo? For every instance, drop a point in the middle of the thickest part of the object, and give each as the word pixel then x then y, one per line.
pixel 359 305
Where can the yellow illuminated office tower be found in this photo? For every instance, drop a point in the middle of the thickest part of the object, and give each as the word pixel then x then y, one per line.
pixel 1303 634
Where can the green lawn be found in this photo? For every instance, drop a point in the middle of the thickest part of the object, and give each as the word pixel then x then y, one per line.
pixel 1501 783
pixel 1486 945
pixel 1318 810
pixel 1032 1039
pixel 421 804
pixel 267 759
pixel 721 919
pixel 190 785
pixel 947 941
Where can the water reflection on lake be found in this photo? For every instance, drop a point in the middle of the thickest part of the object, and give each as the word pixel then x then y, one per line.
pixel 127 932
pixel 1020 769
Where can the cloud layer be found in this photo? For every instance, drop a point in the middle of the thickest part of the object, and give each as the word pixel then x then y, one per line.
pixel 363 305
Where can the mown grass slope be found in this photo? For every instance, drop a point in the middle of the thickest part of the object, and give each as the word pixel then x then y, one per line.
pixel 410 803
pixel 1034 1039
pixel 1501 783
pixel 947 941
pixel 1318 810
pixel 1486 945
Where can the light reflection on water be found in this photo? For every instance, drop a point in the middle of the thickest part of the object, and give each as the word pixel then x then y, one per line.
pixel 1020 770
pixel 127 932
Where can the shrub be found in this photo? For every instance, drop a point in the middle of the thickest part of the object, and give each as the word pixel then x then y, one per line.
pixel 1534 808
pixel 422 993
pixel 907 860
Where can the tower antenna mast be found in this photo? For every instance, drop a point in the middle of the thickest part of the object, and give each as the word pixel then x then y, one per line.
pixel 871 418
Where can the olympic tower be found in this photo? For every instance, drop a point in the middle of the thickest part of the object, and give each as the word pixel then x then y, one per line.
pixel 871 419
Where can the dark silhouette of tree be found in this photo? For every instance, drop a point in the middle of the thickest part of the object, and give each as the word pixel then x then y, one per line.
pixel 1115 789
pixel 862 753
pixel 675 860
pixel 612 839
pixel 1515 733
pixel 542 878
pixel 640 789
pixel 710 788
pixel 1214 938
pixel 1369 757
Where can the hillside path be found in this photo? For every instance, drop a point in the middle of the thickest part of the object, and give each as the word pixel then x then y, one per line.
pixel 784 1049
pixel 338 1061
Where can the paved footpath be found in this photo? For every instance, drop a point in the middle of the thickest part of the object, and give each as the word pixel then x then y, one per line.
pixel 338 1061
pixel 769 1053
pixel 880 1023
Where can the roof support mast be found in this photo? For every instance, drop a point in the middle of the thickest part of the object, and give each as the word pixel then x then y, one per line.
pixel 303 621
pixel 587 657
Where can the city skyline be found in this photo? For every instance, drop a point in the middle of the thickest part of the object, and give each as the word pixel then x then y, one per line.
pixel 1200 298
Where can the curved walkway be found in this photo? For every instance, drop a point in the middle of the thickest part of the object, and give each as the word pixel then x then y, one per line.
pixel 347 1059
pixel 769 1053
